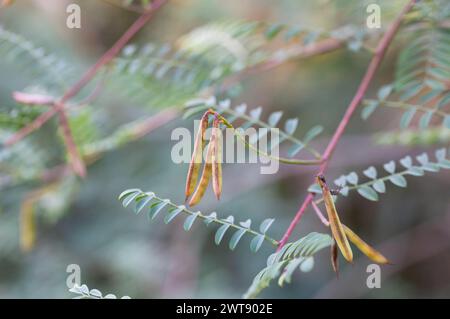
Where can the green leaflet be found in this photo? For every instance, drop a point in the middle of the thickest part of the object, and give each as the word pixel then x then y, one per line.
pixel 158 206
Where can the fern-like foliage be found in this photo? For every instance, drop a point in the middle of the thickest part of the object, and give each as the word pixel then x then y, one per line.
pixel 377 184
pixel 282 264
pixel 251 118
pixel 426 114
pixel 205 56
pixel 83 292
pixel 423 64
pixel 148 201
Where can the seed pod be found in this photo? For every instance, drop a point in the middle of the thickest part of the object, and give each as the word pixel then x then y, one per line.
pixel 336 227
pixel 196 159
pixel 216 160
pixel 367 250
pixel 206 175
pixel 334 258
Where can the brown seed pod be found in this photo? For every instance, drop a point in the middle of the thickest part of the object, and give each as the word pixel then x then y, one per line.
pixel 196 160
pixel 216 140
pixel 367 250
pixel 337 229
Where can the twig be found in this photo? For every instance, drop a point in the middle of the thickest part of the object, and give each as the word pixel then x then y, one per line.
pixel 106 58
pixel 75 159
pixel 33 99
pixel 362 89
pixel 319 214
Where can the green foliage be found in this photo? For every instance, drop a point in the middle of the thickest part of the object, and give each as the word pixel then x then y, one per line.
pixel 377 185
pixel 83 292
pixel 252 117
pixel 431 135
pixel 425 114
pixel 282 264
pixel 424 64
pixel 44 69
pixel 238 44
pixel 421 86
pixel 148 201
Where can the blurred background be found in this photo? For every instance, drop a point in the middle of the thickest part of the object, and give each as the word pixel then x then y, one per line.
pixel 81 221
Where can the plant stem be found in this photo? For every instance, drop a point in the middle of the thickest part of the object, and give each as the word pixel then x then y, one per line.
pixel 356 101
pixel 282 133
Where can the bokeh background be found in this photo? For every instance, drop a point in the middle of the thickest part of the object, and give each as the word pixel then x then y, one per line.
pixel 121 253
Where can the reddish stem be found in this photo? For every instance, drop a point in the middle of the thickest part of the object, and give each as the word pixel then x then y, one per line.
pixel 114 50
pixel 33 99
pixel 362 89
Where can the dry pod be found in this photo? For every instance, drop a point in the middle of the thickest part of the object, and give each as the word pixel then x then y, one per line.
pixel 337 229
pixel 196 160
pixel 367 250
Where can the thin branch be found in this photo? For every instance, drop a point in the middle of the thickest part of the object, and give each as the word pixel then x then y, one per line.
pixel 89 75
pixel 75 159
pixel 356 101
pixel 319 214
pixel 407 106
pixel 114 50
pixel 31 127
pixel 313 49
pixel 92 152
pixel 130 7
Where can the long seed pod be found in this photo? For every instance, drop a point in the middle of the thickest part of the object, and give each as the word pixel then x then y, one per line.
pixel 206 174
pixel 334 258
pixel 336 227
pixel 27 217
pixel 367 250
pixel 196 160
pixel 216 159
